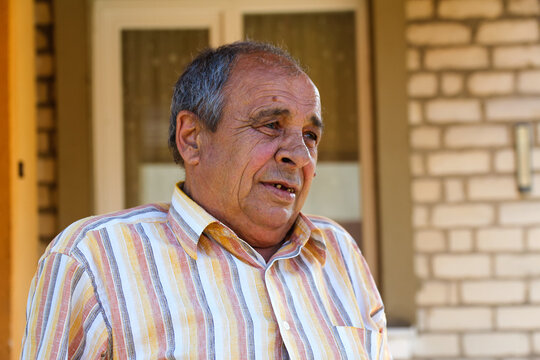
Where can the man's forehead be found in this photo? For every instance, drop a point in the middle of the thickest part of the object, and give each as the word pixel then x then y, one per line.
pixel 274 82
pixel 267 62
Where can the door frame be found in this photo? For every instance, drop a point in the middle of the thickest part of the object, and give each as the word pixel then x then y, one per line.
pixel 224 19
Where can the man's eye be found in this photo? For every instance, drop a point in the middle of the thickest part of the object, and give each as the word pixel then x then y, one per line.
pixel 311 136
pixel 273 125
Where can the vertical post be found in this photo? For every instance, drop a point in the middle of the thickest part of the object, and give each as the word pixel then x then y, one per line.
pixel 5 211
pixel 370 239
pixel 22 167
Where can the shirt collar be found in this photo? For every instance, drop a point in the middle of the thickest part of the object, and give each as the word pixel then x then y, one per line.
pixel 189 221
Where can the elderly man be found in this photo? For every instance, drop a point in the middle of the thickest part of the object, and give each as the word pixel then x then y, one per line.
pixel 231 269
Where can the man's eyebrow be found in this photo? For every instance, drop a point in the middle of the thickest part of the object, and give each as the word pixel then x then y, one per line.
pixel 268 113
pixel 316 121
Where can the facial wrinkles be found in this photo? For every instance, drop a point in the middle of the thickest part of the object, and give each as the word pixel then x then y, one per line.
pixel 276 97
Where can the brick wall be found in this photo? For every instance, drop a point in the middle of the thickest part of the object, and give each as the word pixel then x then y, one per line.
pixel 474 71
pixel 46 121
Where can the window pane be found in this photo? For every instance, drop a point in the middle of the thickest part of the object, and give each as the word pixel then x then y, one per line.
pixel 152 60
pixel 324 43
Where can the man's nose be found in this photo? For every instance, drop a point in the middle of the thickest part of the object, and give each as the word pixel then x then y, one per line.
pixel 293 151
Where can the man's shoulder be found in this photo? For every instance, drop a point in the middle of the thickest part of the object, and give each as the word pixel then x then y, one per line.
pixel 325 224
pixel 72 236
pixel 333 233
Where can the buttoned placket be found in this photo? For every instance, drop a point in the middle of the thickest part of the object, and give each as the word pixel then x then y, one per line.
pixel 286 325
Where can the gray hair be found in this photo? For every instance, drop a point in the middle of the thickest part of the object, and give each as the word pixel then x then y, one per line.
pixel 200 88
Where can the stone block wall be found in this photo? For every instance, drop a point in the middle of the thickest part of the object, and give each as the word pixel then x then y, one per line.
pixel 474 72
pixel 46 121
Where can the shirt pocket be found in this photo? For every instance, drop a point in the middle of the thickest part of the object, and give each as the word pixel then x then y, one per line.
pixel 359 343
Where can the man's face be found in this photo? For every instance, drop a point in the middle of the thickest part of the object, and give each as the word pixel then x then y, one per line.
pixel 257 167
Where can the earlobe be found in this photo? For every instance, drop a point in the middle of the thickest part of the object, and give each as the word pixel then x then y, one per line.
pixel 187 137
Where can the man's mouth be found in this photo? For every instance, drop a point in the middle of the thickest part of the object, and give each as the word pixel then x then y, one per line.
pixel 283 187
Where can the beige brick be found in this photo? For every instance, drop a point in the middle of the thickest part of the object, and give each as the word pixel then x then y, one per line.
pixel 46 171
pixel 44 197
pixel 500 239
pixel 44 65
pixel 453 189
pixel 427 241
pixel 534 291
pixel 438 34
pixel 462 266
pixel 418 9
pixel 417 165
pixel 47 225
pixel 426 190
pixel 425 137
pixel 514 108
pixel 529 82
pixel 524 7
pixel 421 266
pixel 496 344
pixel 42 13
pixel 41 39
pixel 413 59
pixel 516 56
pixel 476 136
pixel 460 240
pixel 507 31
pixel 520 213
pixel 492 188
pixel 462 318
pixel 415 112
pixel 459 58
pixel 433 293
pixel 420 216
pixel 43 142
pixel 536 342
pixel 433 345
pixel 517 265
pixel 42 90
pixel 461 9
pixel 45 119
pixel 491 83
pixel 504 161
pixel 536 158
pixel 451 83
pixel 518 318
pixel 465 162
pixel 493 292
pixel 533 239
pixel 448 216
pixel 422 85
pixel 453 110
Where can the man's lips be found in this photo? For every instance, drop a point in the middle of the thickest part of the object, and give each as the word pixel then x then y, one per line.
pixel 284 186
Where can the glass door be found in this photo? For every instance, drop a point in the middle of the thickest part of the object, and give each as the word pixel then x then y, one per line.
pixel 151 63
pixel 140 48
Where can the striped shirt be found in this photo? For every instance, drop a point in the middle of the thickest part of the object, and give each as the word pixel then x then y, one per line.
pixel 169 281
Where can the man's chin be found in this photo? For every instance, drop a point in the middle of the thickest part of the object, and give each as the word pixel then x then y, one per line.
pixel 275 218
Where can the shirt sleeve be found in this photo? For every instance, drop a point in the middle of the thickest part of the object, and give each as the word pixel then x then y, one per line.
pixel 64 317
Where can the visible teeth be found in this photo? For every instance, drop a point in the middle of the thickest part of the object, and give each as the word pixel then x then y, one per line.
pixel 279 186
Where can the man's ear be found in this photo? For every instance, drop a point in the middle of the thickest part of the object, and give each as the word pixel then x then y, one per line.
pixel 188 130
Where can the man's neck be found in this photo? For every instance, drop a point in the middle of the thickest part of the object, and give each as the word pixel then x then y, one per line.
pixel 268 252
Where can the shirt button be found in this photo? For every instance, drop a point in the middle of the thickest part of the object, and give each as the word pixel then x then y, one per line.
pixel 286 325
